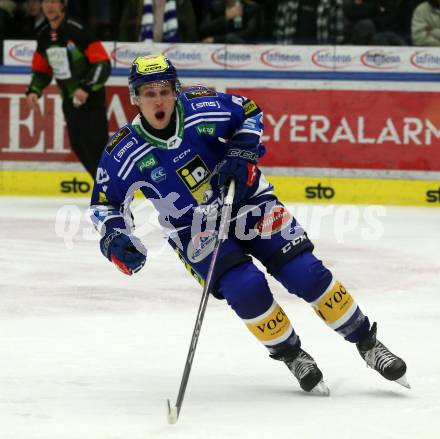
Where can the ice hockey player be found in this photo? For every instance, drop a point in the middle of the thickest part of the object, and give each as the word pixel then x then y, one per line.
pixel 181 150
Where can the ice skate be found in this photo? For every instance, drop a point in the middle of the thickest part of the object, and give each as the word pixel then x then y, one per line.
pixel 378 357
pixel 306 371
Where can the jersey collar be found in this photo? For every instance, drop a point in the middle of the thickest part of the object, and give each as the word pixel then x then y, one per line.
pixel 174 141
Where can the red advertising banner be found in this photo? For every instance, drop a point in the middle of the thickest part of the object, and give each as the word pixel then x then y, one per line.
pixel 383 130
pixel 42 135
pixel 349 129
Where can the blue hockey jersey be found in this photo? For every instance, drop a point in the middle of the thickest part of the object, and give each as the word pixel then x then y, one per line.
pixel 175 174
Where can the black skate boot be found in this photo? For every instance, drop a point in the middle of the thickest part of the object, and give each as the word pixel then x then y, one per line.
pixel 379 358
pixel 305 370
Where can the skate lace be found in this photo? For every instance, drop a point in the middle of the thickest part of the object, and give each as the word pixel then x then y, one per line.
pixel 302 366
pixel 379 357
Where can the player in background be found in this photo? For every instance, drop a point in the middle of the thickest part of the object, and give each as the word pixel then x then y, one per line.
pixel 181 150
pixel 67 51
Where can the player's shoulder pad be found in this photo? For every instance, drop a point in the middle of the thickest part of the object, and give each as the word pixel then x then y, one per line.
pixel 198 92
pixel 249 107
pixel 125 138
pixel 202 99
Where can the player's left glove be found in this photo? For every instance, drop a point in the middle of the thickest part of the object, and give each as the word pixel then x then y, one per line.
pixel 239 164
pixel 123 251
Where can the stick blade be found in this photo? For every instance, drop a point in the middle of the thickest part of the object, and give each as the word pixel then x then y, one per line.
pixel 172 414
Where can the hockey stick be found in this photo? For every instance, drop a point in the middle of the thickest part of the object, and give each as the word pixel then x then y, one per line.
pixel 173 412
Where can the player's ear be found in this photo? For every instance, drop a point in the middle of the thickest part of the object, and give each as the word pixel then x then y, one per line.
pixel 134 98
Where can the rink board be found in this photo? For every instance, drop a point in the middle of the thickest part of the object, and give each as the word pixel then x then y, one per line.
pixel 342 125
pixel 288 188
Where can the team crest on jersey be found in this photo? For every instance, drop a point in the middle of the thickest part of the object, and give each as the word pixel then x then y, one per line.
pixel 203 93
pixel 195 174
pixel 116 139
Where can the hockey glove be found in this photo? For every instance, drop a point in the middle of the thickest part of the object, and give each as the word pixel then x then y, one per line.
pixel 239 164
pixel 123 251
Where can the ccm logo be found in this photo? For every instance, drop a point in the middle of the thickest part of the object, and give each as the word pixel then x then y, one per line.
pixel 292 244
pixel 181 155
pixel 320 192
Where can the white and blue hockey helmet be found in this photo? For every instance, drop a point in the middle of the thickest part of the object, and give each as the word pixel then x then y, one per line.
pixel 151 68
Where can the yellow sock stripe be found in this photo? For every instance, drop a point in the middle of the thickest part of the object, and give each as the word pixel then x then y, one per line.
pixel 271 327
pixel 335 306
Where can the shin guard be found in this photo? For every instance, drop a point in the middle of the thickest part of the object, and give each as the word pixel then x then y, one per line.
pixel 273 329
pixel 340 312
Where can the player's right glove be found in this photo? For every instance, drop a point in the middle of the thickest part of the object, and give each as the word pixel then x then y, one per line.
pixel 124 251
pixel 239 164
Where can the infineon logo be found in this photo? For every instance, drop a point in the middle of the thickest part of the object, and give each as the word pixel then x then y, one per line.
pixel 126 54
pixel 183 58
pixel 234 60
pixel 22 52
pixel 425 61
pixel 325 58
pixel 279 60
pixel 378 59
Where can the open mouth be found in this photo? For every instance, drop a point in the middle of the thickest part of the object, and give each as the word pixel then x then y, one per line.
pixel 159 115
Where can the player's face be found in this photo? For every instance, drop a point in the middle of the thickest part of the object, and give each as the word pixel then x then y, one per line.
pixel 156 102
pixel 52 9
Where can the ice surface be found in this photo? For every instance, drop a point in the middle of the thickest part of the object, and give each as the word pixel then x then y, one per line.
pixel 86 352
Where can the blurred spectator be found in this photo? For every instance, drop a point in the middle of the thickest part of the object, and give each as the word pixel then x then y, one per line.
pixel 199 10
pixel 186 17
pixel 29 20
pixel 425 27
pixel 100 19
pixel 7 8
pixel 79 9
pixel 405 10
pixel 268 10
pixel 309 22
pixel 127 17
pixel 373 22
pixel 159 21
pixel 231 21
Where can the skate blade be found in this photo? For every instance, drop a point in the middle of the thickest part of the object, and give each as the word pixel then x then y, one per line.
pixel 403 382
pixel 320 389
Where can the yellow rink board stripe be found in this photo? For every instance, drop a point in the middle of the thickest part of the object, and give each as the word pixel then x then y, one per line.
pixel 45 183
pixel 289 188
pixel 358 190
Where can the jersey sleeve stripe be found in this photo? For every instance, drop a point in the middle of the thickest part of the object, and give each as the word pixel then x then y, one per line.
pixel 207 119
pixel 133 154
pixel 208 113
